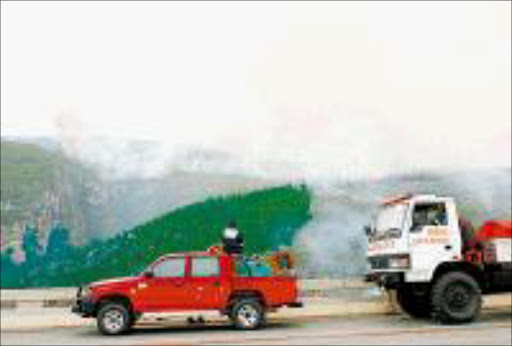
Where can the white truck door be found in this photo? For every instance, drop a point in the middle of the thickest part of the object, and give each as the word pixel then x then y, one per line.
pixel 433 238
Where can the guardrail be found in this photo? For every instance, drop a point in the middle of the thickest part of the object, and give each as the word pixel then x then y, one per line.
pixel 63 296
pixel 349 291
pixel 321 298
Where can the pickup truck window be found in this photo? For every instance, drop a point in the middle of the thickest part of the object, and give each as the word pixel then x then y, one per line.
pixel 171 267
pixel 205 267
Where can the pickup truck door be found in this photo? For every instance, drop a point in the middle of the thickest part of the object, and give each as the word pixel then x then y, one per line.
pixel 167 289
pixel 207 289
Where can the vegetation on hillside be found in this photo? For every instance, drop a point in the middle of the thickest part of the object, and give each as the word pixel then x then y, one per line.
pixel 268 218
pixel 41 184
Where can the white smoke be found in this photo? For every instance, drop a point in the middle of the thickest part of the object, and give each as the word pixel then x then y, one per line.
pixel 327 90
pixel 315 92
pixel 114 157
pixel 334 244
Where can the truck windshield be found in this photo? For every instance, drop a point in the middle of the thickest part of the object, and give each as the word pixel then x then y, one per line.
pixel 389 221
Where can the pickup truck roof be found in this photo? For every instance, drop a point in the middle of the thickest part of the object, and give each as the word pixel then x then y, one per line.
pixel 189 253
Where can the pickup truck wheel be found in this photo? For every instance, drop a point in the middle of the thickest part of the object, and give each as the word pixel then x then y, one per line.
pixel 114 319
pixel 415 305
pixel 247 314
pixel 456 298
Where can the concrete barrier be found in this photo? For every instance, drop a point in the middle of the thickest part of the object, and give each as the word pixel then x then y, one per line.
pixel 49 308
pixel 351 293
pixel 45 297
pixel 37 318
pixel 64 296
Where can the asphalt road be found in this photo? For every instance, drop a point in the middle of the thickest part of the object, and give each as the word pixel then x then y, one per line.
pixel 492 328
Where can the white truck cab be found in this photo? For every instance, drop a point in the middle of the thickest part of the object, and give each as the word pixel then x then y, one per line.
pixel 413 234
pixel 416 246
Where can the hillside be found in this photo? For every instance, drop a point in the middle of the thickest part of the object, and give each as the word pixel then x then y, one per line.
pixel 38 181
pixel 39 186
pixel 269 218
pixel 129 202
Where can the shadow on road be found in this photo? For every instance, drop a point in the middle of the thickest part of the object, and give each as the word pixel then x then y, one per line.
pixel 400 321
pixel 496 314
pixel 166 327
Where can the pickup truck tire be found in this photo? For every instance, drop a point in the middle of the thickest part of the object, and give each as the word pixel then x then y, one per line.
pixel 415 305
pixel 247 313
pixel 456 298
pixel 114 318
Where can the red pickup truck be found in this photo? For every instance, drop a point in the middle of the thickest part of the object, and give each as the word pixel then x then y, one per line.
pixel 188 281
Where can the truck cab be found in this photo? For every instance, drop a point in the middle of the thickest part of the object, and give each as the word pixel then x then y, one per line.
pixel 418 246
pixel 411 235
pixel 189 281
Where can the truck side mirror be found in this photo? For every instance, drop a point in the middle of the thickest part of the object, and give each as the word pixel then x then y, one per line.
pixel 148 274
pixel 367 230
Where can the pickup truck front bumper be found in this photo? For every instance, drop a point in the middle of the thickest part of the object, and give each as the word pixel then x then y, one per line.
pixel 84 307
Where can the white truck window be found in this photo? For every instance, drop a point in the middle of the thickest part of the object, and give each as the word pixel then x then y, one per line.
pixel 428 214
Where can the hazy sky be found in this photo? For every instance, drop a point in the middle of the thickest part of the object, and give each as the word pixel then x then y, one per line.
pixel 331 88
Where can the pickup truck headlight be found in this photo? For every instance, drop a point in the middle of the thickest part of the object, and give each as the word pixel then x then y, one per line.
pixel 399 262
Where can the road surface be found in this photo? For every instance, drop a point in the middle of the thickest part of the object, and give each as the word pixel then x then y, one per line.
pixel 492 328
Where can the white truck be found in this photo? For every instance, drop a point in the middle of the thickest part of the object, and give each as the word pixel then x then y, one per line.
pixel 438 265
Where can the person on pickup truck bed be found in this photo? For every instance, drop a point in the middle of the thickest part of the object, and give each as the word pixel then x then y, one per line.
pixel 233 239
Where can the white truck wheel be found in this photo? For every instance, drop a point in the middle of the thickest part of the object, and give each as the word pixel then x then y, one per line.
pixel 456 298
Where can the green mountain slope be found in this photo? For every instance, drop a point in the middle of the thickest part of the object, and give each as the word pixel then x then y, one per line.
pixel 269 218
pixel 42 185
